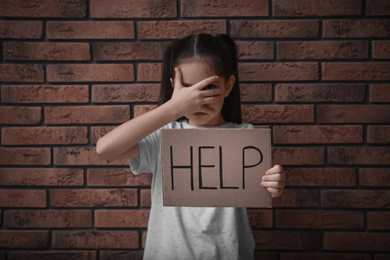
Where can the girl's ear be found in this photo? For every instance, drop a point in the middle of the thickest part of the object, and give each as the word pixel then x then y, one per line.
pixel 229 85
pixel 171 82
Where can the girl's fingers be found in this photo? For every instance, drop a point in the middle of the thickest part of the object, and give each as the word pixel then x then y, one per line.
pixel 274 177
pixel 201 84
pixel 273 184
pixel 276 169
pixel 178 78
pixel 275 192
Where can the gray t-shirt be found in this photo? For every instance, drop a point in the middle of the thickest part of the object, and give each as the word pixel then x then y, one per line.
pixel 190 232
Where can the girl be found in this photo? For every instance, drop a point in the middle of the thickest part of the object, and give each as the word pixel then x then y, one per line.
pixel 199 90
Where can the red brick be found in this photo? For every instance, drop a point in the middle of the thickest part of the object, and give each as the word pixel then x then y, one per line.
pixel 296 198
pixel 121 218
pixel 146 196
pixel 298 155
pixel 377 7
pixel 90 30
pixel 24 239
pixel 378 134
pixel 371 155
pixel 44 94
pixel 320 177
pixel 25 156
pixel 288 240
pixel 133 9
pixel 117 177
pixel 324 256
pixel 2 256
pixel 357 241
pixel 290 71
pixel 142 109
pixel 48 219
pixel 129 50
pixel 320 92
pixel 313 50
pixel 381 49
pixel 81 156
pixel 44 135
pixel 255 50
pixel 90 72
pixel 374 177
pixel 177 29
pixel 21 73
pixel 87 114
pixel 378 220
pixel 256 92
pixel 260 218
pixel 359 28
pixel 144 234
pixel 321 219
pixel 13 29
pixel 278 113
pixel 308 8
pixel 382 256
pixel 98 132
pixel 356 71
pixel 353 113
pixel 46 51
pixel 264 255
pixel 93 198
pixel 125 93
pixel 41 177
pixel 23 199
pixel 20 115
pixel 120 255
pixel 95 239
pixel 314 134
pixel 380 93
pixel 58 255
pixel 149 72
pixel 215 8
pixel 265 29
pixel 355 198
pixel 45 8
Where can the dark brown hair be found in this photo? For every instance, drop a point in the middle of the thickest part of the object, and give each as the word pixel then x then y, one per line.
pixel 220 51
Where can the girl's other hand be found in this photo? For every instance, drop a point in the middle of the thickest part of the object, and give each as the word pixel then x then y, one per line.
pixel 274 180
pixel 193 99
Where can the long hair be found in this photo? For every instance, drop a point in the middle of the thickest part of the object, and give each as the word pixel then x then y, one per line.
pixel 220 51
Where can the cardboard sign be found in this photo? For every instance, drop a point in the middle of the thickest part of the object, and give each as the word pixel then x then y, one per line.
pixel 215 167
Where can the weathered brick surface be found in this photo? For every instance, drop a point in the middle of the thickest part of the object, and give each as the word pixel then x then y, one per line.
pixel 289 71
pixel 215 8
pixel 315 72
pixel 325 92
pixel 95 239
pixel 318 134
pixel 121 218
pixel 48 218
pixel 380 93
pixel 125 93
pixel 44 94
pixel 314 50
pixel 303 8
pixel 13 29
pixel 274 29
pixel 46 51
pixel 90 30
pixel 93 198
pixel 45 8
pixel 319 219
pixel 41 177
pixel 44 135
pixel 133 9
pixel 90 72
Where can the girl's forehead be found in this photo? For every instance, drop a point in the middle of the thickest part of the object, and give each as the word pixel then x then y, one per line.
pixel 196 70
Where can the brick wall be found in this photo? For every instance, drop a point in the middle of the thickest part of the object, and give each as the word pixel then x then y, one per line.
pixel 317 72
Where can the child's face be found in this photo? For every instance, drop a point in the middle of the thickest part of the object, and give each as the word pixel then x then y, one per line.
pixel 196 71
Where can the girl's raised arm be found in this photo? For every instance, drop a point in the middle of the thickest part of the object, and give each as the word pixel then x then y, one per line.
pixel 122 142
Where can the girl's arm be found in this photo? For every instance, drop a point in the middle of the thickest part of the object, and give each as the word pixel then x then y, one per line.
pixel 122 142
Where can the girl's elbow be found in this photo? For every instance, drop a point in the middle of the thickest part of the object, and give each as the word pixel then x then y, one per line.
pixel 101 151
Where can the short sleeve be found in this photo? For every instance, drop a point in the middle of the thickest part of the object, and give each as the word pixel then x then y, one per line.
pixel 149 149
